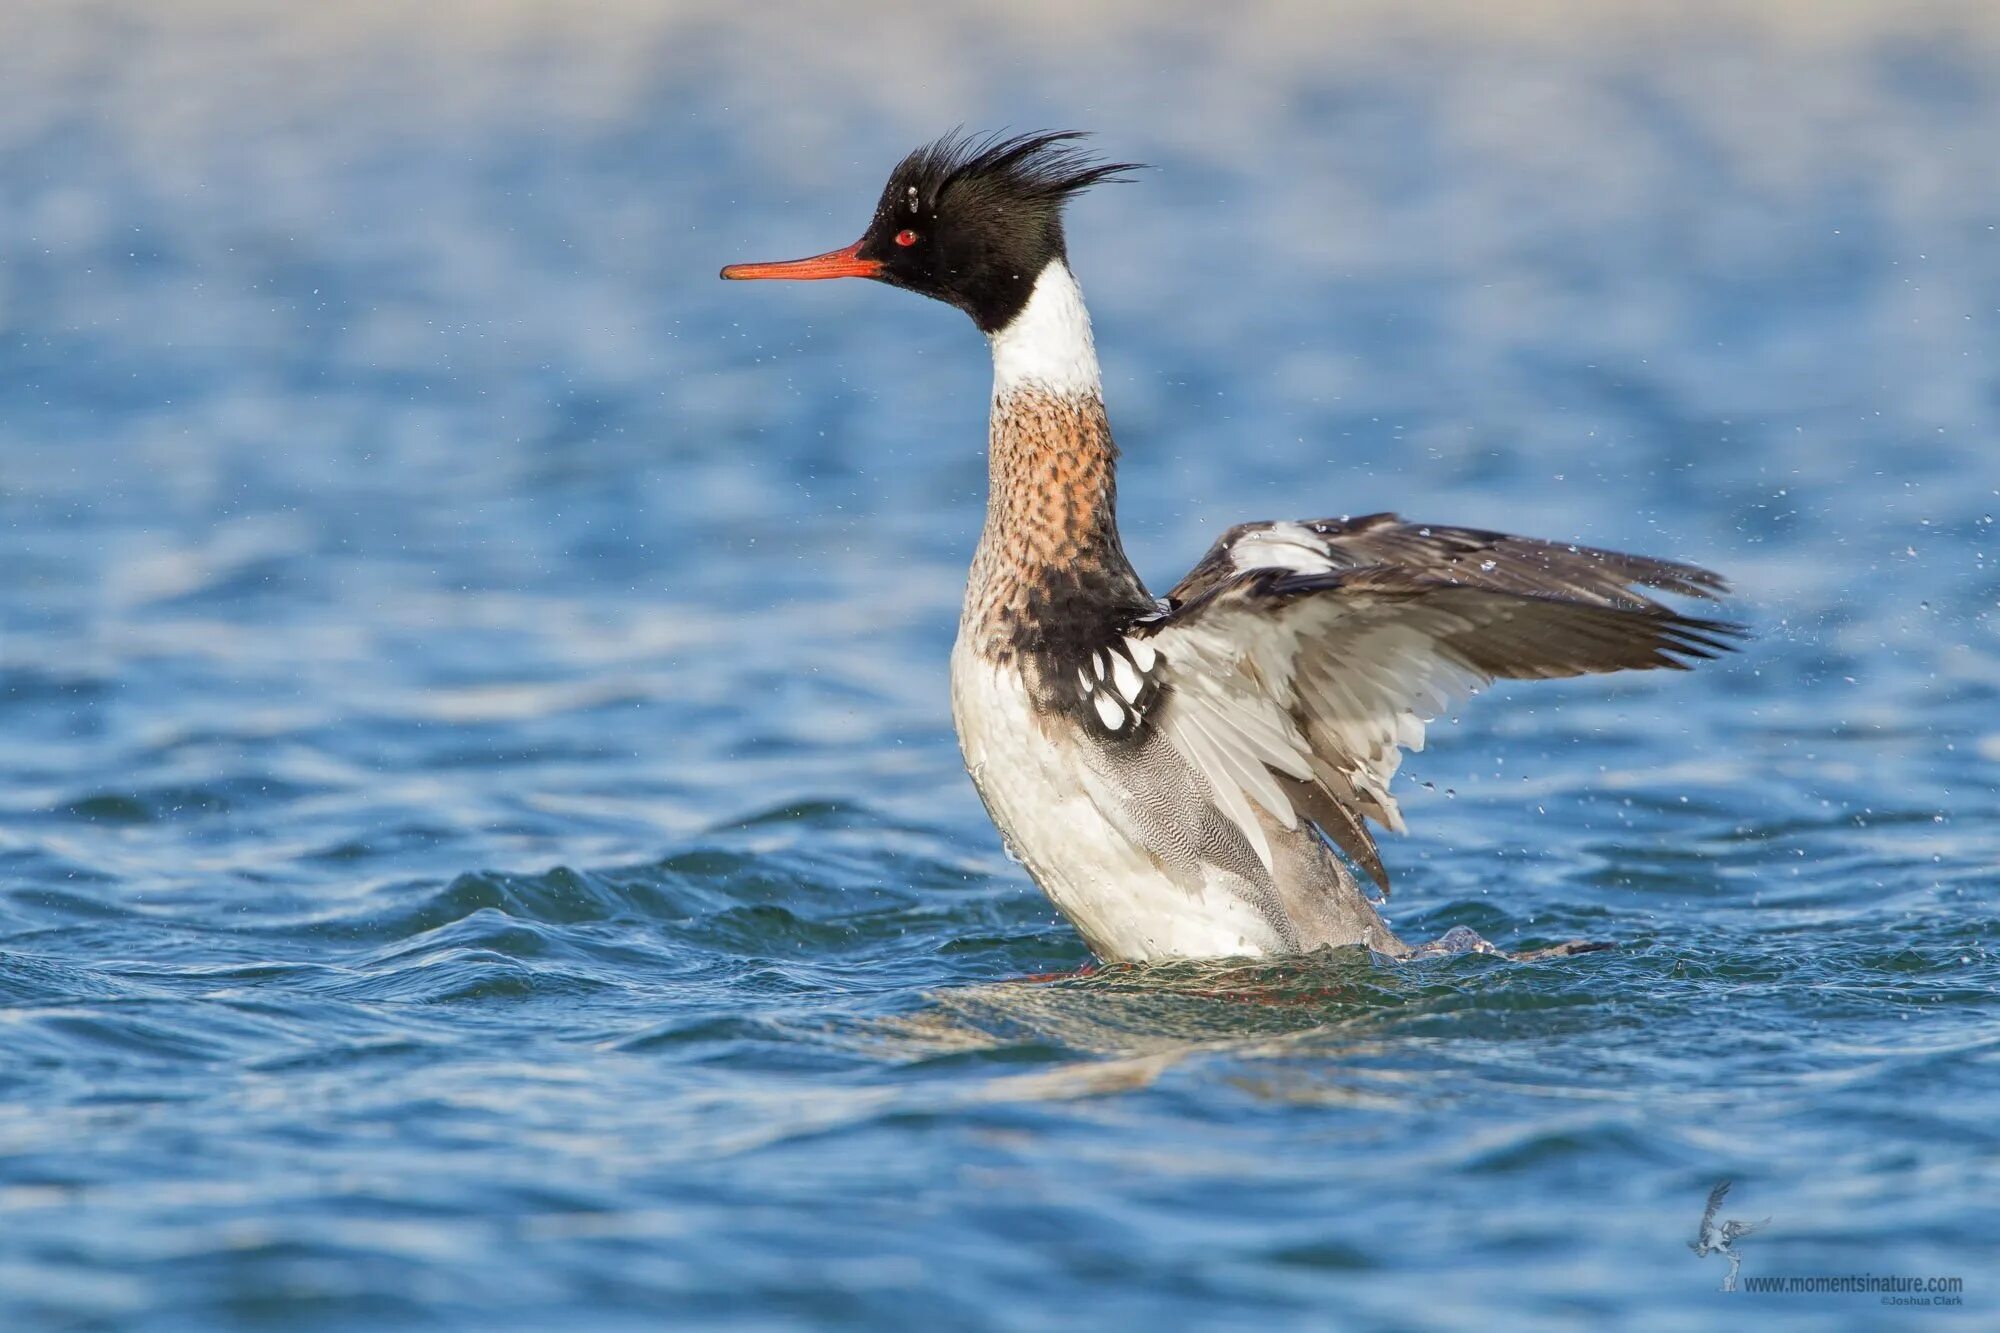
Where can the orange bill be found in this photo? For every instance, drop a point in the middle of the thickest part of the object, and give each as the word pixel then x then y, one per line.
pixel 833 264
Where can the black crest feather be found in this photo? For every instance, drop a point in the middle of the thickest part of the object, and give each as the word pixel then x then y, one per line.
pixel 1044 167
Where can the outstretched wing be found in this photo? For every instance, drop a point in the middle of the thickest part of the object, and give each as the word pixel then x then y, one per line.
pixel 1298 660
pixel 1715 1198
pixel 1469 555
pixel 1733 1231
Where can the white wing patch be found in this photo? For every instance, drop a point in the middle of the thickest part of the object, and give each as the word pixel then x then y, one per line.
pixel 1364 699
pixel 1327 691
pixel 1292 546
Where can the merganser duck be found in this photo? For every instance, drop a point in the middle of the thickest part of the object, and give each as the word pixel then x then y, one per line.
pixel 1172 771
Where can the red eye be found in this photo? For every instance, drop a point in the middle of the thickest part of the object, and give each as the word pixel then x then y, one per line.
pixel 906 237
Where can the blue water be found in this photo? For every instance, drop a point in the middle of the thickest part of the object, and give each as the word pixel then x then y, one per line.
pixel 481 841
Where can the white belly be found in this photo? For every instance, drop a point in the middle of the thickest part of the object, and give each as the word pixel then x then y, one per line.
pixel 1039 793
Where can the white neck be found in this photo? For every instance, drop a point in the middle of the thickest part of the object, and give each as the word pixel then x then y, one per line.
pixel 1048 344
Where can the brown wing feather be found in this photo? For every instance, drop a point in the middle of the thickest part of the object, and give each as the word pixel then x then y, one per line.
pixel 1471 556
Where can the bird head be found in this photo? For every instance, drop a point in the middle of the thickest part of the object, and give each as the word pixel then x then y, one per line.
pixel 968 221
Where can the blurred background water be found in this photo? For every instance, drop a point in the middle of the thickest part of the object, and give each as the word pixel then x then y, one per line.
pixel 481 842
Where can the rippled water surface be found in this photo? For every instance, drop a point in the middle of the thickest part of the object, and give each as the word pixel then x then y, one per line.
pixel 481 840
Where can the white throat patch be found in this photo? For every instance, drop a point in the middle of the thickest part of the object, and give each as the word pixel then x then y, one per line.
pixel 1048 345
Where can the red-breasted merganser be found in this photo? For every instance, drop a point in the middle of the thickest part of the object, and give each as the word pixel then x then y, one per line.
pixel 1171 771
